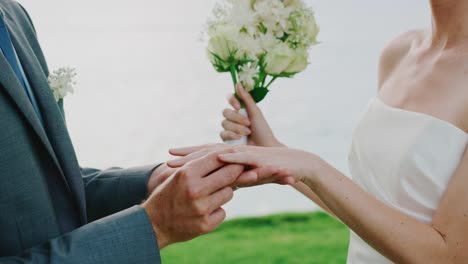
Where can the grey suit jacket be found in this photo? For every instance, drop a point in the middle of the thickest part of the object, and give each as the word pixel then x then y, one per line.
pixel 101 206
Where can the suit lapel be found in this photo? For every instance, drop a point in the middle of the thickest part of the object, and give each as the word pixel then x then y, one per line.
pixel 56 135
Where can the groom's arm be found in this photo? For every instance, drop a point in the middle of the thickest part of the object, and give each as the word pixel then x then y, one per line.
pixel 125 237
pixel 115 189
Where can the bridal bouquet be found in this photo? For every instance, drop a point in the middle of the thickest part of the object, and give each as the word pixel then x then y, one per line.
pixel 258 41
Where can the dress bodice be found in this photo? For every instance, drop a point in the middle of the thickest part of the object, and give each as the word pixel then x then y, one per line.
pixel 405 159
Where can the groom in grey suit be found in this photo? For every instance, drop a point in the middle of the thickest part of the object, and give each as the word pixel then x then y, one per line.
pixel 54 211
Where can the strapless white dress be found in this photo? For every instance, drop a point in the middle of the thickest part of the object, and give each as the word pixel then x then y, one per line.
pixel 405 159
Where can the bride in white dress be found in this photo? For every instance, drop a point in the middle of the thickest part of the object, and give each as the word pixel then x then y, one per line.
pixel 408 200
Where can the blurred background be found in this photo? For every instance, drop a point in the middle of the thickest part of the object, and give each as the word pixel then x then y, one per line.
pixel 145 84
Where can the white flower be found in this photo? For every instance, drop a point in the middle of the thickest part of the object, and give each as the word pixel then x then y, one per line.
pixel 261 40
pixel 299 63
pixel 62 82
pixel 247 76
pixel 249 47
pixel 222 45
pixel 278 59
pixel 268 41
pixel 243 16
pixel 294 4
pixel 274 15
pixel 303 29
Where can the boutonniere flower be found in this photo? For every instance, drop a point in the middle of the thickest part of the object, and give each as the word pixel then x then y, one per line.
pixel 62 82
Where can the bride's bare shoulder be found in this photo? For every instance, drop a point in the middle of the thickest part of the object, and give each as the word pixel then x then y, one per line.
pixel 395 51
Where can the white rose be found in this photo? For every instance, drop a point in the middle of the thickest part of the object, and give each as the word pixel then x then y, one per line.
pixel 222 47
pixel 311 30
pixel 299 63
pixel 303 29
pixel 278 59
pixel 222 42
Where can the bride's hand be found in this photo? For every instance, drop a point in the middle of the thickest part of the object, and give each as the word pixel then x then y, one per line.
pixel 255 127
pixel 273 164
pixel 267 164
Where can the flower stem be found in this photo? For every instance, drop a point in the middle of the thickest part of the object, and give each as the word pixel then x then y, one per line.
pixel 272 80
pixel 232 67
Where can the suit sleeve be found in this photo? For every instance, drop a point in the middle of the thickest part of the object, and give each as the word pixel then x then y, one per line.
pixel 115 189
pixel 125 237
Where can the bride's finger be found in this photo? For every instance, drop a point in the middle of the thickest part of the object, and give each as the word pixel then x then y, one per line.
pixel 189 150
pixel 236 128
pixel 250 105
pixel 177 163
pixel 258 176
pixel 229 135
pixel 247 178
pixel 286 181
pixel 235 117
pixel 243 158
pixel 234 102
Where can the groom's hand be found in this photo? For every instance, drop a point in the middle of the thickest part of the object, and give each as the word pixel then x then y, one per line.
pixel 159 175
pixel 188 204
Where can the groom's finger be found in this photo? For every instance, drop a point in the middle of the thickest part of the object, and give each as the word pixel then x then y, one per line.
pixel 216 218
pixel 218 199
pixel 221 178
pixel 202 167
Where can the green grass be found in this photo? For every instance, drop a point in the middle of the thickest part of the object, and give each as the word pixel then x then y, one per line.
pixel 287 238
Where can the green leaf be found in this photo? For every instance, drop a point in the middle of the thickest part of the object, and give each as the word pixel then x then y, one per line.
pixel 219 64
pixel 285 75
pixel 259 94
pixel 262 28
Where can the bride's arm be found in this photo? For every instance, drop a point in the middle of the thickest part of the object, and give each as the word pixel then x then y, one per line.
pixel 304 189
pixel 260 134
pixel 394 234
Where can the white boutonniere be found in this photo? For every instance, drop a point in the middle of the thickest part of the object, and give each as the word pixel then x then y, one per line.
pixel 62 82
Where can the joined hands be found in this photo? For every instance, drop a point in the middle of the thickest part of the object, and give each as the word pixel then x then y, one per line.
pixel 187 194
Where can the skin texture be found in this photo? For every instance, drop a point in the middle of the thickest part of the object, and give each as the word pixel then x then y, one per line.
pixel 421 71
pixel 188 203
pixel 159 175
pixel 260 134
